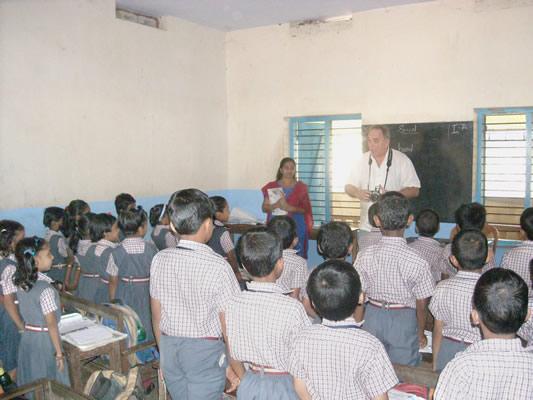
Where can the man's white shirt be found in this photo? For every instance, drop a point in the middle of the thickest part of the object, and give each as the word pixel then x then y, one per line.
pixel 402 174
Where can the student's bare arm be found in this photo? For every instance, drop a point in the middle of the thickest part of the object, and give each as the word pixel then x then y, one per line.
pixel 421 319
pixel 13 311
pixel 309 308
pixel 235 365
pixel 267 207
pixel 232 259
pixel 301 389
pixel 156 318
pixel 353 191
pixel 113 284
pixel 410 192
pixel 437 340
pixel 53 331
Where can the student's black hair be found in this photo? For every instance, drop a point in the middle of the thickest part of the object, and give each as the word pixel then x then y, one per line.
pixel 188 209
pixel 129 221
pixel 372 211
pixel 123 201
pixel 258 250
pixel 470 247
pixel 393 211
pixel 500 298
pixel 53 214
pixel 100 225
pixel 80 229
pixel 471 216
pixel 427 223
pixel 334 240
pixel 156 214
pixel 219 202
pixel 285 228
pixel 8 231
pixel 74 210
pixel 526 222
pixel 334 288
pixel 283 161
pixel 26 273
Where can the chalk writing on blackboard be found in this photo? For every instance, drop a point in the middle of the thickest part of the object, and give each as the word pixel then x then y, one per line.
pixel 407 148
pixel 407 129
pixel 457 129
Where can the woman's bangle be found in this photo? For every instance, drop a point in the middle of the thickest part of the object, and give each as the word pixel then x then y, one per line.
pixel 59 357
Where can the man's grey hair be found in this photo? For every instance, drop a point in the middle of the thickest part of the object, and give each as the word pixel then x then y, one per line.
pixel 382 128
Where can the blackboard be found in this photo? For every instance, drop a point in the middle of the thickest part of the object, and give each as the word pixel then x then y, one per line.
pixel 442 155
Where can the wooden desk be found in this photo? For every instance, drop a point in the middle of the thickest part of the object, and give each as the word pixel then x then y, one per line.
pixel 44 389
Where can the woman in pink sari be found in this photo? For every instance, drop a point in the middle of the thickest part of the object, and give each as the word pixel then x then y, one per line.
pixel 293 200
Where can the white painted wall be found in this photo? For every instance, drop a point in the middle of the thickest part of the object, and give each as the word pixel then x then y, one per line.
pixel 435 61
pixel 91 106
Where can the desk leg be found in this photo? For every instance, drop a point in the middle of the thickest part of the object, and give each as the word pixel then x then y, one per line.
pixel 74 367
pixel 115 362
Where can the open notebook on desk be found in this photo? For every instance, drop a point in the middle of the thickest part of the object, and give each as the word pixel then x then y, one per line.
pixel 85 333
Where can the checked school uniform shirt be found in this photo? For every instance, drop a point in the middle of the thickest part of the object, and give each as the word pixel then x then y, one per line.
pixel 518 260
pixel 369 239
pixel 489 369
pixel 261 324
pixel 526 330
pixel 452 304
pixel 337 360
pixel 394 273
pixel 193 284
pixel 430 250
pixel 294 275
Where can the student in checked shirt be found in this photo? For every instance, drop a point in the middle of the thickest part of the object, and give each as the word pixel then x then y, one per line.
pixel 497 367
pixel 427 225
pixel 261 322
pixel 397 282
pixel 336 359
pixel 189 286
pixel 294 275
pixel 451 305
pixel 518 258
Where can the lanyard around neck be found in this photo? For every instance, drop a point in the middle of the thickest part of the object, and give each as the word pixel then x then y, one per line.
pixel 389 163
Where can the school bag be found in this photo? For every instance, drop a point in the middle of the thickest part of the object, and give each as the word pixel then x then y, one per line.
pixel 135 331
pixel 110 385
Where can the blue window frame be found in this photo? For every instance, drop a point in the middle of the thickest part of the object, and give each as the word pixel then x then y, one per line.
pixel 324 149
pixel 504 160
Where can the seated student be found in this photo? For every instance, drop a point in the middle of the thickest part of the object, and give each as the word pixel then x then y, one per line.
pixel 129 267
pixel 294 275
pixel 467 216
pixel 53 220
pixel 189 287
pixel 451 304
pixel 427 226
pixel 398 283
pixel 11 232
pixel 261 323
pixel 362 368
pixel 161 235
pixel 220 241
pixel 518 258
pixel 497 367
pixel 105 233
pixel 40 351
pixel 124 202
pixel 373 237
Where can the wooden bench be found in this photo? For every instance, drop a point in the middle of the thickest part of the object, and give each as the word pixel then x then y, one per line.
pixel 118 352
pixel 44 389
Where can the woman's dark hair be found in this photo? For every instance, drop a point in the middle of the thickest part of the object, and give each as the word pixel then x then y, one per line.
pixel 219 203
pixel 80 230
pixel 52 214
pixel 281 164
pixel 188 209
pixel 100 225
pixel 74 210
pixel 26 272
pixel 130 221
pixel 156 213
pixel 123 201
pixel 8 231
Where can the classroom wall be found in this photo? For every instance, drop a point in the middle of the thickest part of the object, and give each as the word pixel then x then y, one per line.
pixel 91 105
pixel 434 61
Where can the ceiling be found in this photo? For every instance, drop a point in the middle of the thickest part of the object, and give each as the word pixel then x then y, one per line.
pixel 228 15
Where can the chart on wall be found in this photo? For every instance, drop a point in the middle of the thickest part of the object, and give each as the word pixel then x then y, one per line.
pixel 442 155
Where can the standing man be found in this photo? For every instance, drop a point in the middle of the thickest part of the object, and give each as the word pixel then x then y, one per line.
pixel 381 169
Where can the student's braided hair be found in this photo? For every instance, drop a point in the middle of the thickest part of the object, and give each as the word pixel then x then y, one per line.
pixel 26 273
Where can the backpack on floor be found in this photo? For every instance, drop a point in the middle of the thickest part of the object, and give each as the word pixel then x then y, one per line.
pixel 110 385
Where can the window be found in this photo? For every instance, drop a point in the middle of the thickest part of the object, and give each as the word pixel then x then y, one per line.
pixel 504 160
pixel 325 150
